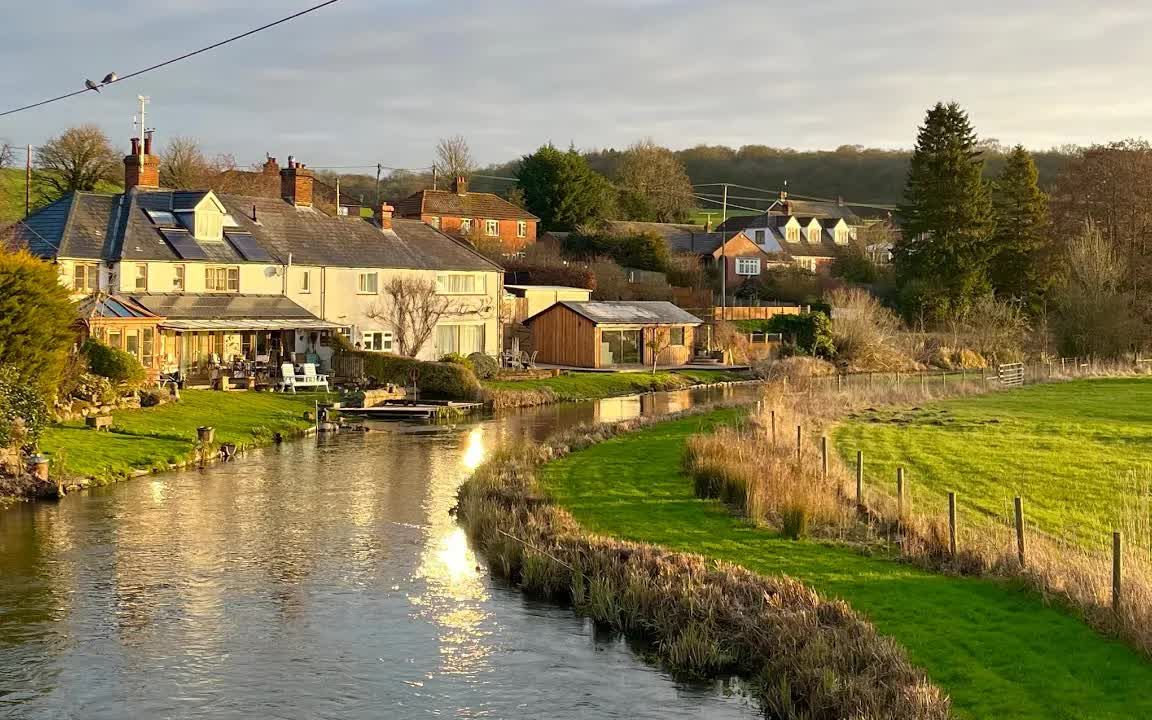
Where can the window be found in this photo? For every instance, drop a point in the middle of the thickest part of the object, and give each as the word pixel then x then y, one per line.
pixel 178 278
pixel 132 343
pixel 758 236
pixel 221 279
pixel 141 277
pixel 521 229
pixel 85 277
pixel 813 235
pixel 747 266
pixel 377 340
pixel 492 228
pixel 146 345
pixel 306 281
pixel 676 336
pixel 447 284
pixel 793 235
pixel 434 222
pixel 463 339
pixel 114 337
pixel 367 283
pixel 465 225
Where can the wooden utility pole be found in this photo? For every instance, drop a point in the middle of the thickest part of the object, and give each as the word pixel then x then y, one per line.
pixel 28 181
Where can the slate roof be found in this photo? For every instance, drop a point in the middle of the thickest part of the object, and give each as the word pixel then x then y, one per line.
pixel 112 306
pixel 479 205
pixel 117 227
pixel 217 306
pixel 627 312
pixel 804 210
pixel 700 243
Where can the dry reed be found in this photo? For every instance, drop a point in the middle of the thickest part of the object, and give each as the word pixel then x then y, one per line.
pixel 805 656
pixel 751 466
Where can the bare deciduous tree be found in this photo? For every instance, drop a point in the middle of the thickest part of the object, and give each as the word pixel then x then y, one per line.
pixel 412 307
pixel 184 165
pixel 659 341
pixel 655 184
pixel 76 160
pixel 454 157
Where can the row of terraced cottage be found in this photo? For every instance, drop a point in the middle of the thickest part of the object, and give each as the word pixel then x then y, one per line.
pixel 191 280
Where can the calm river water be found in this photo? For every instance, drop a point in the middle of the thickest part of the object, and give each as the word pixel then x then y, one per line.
pixel 318 579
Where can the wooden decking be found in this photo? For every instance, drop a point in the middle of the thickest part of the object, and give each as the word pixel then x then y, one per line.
pixel 423 410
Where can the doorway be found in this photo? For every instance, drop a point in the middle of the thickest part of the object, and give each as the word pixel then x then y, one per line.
pixel 621 347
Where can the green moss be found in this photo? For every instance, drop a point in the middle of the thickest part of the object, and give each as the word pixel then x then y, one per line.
pixel 998 651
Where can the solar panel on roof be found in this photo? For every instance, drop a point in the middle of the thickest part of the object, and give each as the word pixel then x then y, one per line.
pixel 183 244
pixel 246 245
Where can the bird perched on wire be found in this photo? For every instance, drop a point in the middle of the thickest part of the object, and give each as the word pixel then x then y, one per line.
pixel 91 85
pixel 109 78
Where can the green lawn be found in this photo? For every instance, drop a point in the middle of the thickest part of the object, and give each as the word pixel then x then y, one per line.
pixel 591 386
pixel 998 651
pixel 152 438
pixel 1077 452
pixel 12 191
pixel 700 215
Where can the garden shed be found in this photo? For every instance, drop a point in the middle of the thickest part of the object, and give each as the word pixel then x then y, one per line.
pixel 613 334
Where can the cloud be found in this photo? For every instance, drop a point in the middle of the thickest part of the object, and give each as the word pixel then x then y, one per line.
pixel 361 82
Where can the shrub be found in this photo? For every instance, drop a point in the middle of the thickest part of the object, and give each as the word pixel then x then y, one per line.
pixel 810 332
pixel 439 379
pixel 866 332
pixel 968 359
pixel 93 388
pixel 794 522
pixel 36 320
pixel 116 365
pixel 483 365
pixel 23 410
pixel 456 358
pixel 151 398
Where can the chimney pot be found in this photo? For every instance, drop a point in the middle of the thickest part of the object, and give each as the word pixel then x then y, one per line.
pixel 296 184
pixel 460 185
pixel 135 146
pixel 147 142
pixel 141 169
pixel 386 212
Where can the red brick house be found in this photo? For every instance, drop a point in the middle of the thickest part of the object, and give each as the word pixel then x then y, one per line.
pixel 476 216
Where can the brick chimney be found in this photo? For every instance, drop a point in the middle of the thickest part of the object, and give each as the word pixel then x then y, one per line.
pixel 271 167
pixel 386 211
pixel 142 169
pixel 460 185
pixel 296 184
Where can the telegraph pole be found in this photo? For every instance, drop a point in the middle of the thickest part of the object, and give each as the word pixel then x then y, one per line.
pixel 378 169
pixel 724 260
pixel 28 181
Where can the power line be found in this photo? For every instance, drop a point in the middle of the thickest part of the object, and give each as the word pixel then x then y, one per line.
pixel 185 56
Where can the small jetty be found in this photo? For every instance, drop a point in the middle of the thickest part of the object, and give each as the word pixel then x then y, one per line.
pixel 421 410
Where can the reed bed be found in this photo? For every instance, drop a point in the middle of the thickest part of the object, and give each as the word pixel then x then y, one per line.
pixel 760 474
pixel 803 655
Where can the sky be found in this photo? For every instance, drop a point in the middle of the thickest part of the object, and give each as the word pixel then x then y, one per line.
pixel 380 81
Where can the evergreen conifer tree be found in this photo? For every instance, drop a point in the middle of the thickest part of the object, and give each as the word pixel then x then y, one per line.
pixel 1017 268
pixel 946 218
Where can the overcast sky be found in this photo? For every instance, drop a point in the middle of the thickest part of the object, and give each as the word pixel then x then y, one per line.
pixel 366 81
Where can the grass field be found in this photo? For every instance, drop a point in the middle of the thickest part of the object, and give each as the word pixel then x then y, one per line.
pixel 153 438
pixel 1079 453
pixel 593 386
pixel 700 215
pixel 998 651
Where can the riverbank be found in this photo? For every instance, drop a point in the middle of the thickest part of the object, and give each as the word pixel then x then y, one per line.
pixel 164 437
pixel 804 655
pixel 574 387
pixel 997 650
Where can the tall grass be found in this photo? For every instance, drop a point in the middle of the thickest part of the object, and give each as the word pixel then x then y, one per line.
pixel 744 466
pixel 805 656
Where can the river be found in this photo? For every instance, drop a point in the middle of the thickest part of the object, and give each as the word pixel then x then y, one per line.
pixel 317 579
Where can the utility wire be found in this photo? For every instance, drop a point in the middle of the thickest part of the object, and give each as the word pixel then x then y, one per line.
pixel 185 56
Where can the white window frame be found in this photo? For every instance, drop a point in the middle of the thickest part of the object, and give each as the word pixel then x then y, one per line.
pixel 141 275
pixel 179 278
pixel 792 235
pixel 492 228
pixel 305 281
pixel 377 340
pixel 361 285
pixel 814 235
pixel 434 221
pixel 212 274
pixel 465 225
pixel 521 229
pixel 91 273
pixel 452 284
pixel 747 266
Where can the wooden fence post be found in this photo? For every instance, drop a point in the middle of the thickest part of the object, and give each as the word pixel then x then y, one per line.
pixel 1019 507
pixel 824 457
pixel 943 379
pixel 860 478
pixel 900 491
pixel 839 378
pixel 773 426
pixel 952 523
pixel 798 446
pixel 923 383
pixel 1117 566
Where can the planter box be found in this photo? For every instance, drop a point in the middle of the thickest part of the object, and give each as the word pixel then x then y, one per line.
pixel 98 422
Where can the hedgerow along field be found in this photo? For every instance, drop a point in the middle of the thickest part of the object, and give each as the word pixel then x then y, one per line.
pixel 1079 453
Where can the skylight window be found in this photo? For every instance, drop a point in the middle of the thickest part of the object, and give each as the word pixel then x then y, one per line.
pixel 162 218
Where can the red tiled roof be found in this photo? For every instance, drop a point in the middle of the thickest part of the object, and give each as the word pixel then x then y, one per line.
pixel 445 203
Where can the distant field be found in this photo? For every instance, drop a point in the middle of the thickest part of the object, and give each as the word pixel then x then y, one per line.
pixel 12 193
pixel 700 215
pixel 1079 453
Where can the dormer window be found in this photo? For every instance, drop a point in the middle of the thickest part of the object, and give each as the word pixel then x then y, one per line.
pixel 814 235
pixel 793 235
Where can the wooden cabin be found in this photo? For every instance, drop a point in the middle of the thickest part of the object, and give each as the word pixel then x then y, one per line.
pixel 613 334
